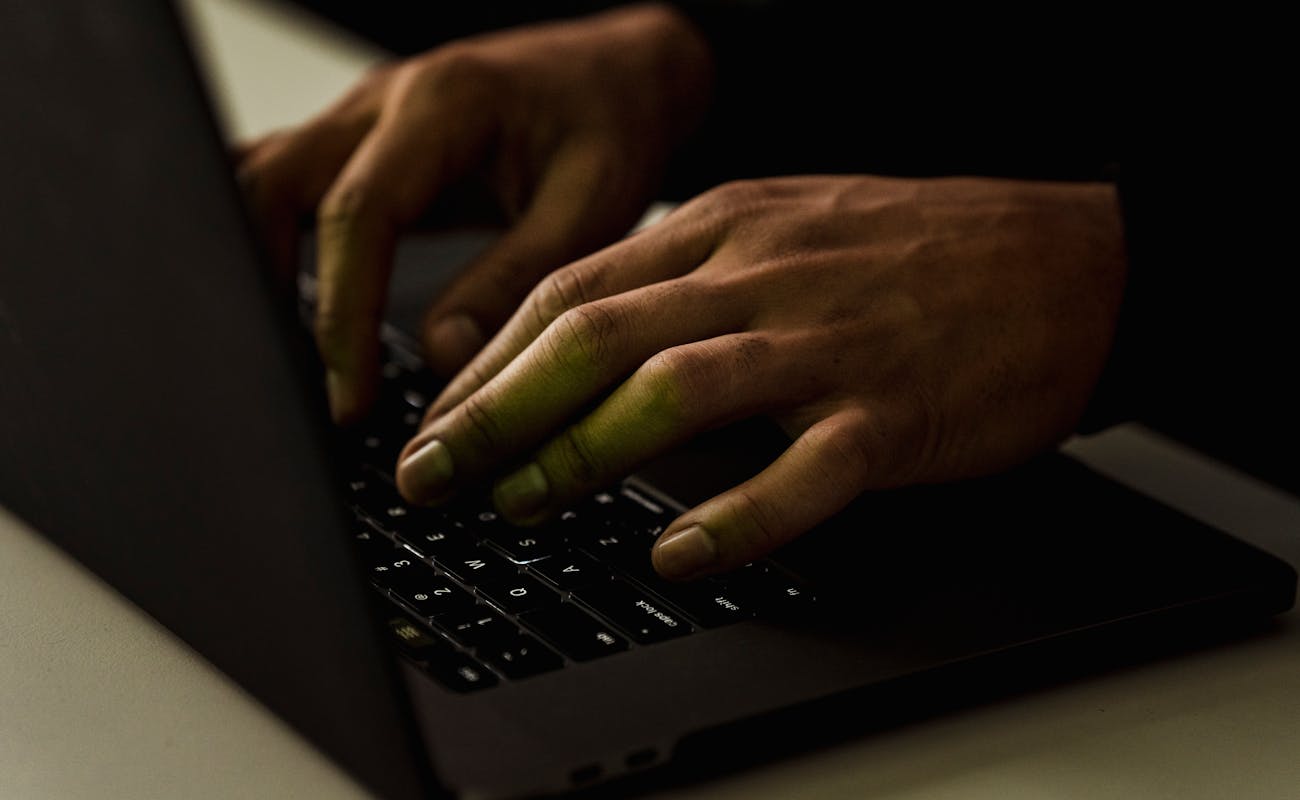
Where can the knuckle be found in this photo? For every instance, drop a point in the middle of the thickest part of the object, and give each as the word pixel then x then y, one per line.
pixel 726 207
pixel 847 454
pixel 479 423
pixel 737 195
pixel 563 289
pixel 588 332
pixel 475 374
pixel 750 351
pixel 452 70
pixel 677 380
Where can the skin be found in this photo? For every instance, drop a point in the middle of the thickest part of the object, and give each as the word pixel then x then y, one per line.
pixel 563 128
pixel 901 331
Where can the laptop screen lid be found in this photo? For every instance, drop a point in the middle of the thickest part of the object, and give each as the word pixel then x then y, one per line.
pixel 156 418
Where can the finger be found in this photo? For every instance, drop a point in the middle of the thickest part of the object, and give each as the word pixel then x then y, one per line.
pixel 675 395
pixel 661 253
pixel 820 473
pixel 394 173
pixel 241 151
pixel 285 178
pixel 285 174
pixel 577 358
pixel 575 209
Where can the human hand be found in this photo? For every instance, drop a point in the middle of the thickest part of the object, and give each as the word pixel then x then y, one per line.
pixel 902 331
pixel 567 125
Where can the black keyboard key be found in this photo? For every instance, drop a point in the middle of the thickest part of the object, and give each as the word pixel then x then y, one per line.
pixel 574 524
pixel 399 391
pixel 603 511
pixel 371 547
pixel 368 492
pixel 644 618
pixel 773 592
pixel 460 672
pixel 710 603
pixel 406 521
pixel 428 594
pixel 473 565
pixel 455 670
pixel 524 545
pixel 478 516
pixel 396 566
pixel 575 633
pixel 521 658
pixel 378 449
pixel 641 513
pixel 378 501
pixel 602 500
pixel 436 542
pixel 478 627
pixel 517 593
pixel 383 572
pixel 719 607
pixel 620 549
pixel 414 641
pixel 569 571
pixel 397 420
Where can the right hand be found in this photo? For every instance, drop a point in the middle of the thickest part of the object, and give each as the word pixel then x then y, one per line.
pixel 568 124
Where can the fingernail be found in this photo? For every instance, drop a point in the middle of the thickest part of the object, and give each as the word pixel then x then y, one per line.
pixel 522 493
pixel 427 472
pixel 454 341
pixel 685 553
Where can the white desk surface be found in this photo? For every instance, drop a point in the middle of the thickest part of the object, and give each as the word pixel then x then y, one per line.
pixel 99 701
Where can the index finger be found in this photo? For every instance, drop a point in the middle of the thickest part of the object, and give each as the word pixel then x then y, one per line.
pixel 666 250
pixel 578 357
pixel 398 168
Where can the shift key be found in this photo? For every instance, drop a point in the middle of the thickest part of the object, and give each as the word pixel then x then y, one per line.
pixel 644 619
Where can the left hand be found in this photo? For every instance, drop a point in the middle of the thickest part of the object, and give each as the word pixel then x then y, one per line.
pixel 902 331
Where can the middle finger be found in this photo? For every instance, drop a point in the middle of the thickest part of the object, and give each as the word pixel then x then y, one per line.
pixel 576 359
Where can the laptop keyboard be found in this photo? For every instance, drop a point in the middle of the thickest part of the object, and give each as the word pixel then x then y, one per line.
pixel 483 602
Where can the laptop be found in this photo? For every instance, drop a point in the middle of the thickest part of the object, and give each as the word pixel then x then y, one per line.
pixel 161 419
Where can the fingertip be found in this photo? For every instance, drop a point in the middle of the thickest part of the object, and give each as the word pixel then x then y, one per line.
pixel 686 554
pixel 349 397
pixel 342 409
pixel 425 472
pixel 522 496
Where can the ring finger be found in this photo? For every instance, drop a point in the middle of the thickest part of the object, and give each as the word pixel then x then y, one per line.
pixel 676 394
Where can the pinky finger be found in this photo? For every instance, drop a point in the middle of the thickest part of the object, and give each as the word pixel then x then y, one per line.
pixel 817 476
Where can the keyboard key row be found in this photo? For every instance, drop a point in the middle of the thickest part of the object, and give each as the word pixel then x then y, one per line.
pixel 450 667
pixel 582 585
pixel 645 619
